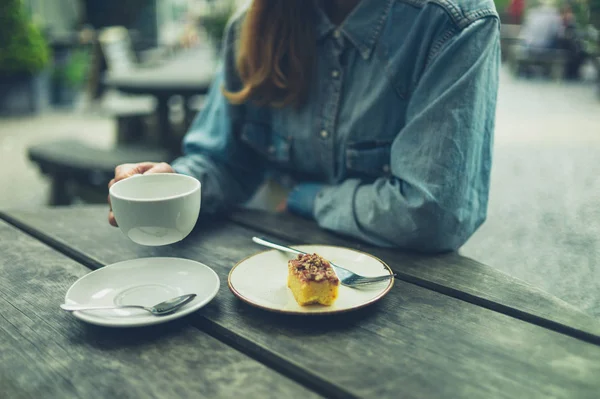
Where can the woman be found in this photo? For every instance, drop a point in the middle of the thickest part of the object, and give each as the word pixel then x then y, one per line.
pixel 381 113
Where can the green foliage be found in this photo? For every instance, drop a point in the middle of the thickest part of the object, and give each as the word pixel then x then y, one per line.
pixel 215 22
pixel 581 11
pixel 501 5
pixel 22 46
pixel 594 6
pixel 75 70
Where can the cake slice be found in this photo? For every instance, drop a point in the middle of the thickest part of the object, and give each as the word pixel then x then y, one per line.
pixel 312 280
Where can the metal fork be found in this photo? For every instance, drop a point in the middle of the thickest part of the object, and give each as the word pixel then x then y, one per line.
pixel 347 278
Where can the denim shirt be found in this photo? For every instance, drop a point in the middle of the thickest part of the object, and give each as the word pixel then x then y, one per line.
pixel 394 144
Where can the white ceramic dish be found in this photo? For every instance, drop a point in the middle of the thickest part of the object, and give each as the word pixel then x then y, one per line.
pixel 261 280
pixel 146 282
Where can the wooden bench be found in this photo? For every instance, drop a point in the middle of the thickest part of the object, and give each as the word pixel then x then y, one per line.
pixel 77 169
pixel 552 60
pixel 596 61
pixel 509 36
pixel 597 65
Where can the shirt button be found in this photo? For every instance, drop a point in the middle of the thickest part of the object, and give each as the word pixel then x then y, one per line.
pixel 271 150
pixel 386 168
pixel 335 73
pixel 324 134
pixel 337 34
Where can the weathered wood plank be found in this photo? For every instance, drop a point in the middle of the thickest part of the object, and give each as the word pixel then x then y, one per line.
pixel 414 343
pixel 47 353
pixel 451 274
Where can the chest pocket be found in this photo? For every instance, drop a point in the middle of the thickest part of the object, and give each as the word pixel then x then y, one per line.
pixel 270 145
pixel 369 159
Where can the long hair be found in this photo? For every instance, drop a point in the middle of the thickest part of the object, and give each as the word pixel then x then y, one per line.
pixel 276 53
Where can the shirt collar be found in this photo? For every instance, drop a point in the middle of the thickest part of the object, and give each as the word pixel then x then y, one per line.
pixel 362 27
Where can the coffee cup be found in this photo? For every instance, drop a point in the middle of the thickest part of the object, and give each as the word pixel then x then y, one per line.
pixel 156 209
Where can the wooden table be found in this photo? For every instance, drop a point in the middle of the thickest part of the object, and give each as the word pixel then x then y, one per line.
pixel 450 327
pixel 187 74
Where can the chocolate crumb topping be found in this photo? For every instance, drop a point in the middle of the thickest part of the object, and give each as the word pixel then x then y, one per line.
pixel 312 267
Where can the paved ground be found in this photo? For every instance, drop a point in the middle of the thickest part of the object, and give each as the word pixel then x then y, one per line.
pixel 22 185
pixel 544 217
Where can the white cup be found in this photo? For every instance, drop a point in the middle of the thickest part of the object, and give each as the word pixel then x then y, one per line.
pixel 156 209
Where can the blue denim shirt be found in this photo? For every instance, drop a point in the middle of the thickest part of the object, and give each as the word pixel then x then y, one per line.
pixel 394 145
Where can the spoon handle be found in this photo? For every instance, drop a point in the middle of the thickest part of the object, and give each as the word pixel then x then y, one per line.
pixel 73 308
pixel 273 245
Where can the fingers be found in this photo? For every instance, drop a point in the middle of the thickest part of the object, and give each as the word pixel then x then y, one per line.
pixel 121 172
pixel 111 219
pixel 161 167
pixel 143 167
pixel 111 216
pixel 282 207
pixel 129 169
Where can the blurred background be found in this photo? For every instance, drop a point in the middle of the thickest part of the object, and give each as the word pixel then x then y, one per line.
pixel 88 84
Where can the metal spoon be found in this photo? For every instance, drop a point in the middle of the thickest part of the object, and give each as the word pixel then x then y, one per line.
pixel 163 308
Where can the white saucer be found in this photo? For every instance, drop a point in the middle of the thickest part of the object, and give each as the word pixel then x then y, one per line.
pixel 144 281
pixel 261 280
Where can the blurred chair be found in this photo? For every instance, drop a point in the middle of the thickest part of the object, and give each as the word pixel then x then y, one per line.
pixel 117 48
pixel 134 114
pixel 553 62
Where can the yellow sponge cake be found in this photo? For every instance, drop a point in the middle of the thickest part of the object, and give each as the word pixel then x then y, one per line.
pixel 312 280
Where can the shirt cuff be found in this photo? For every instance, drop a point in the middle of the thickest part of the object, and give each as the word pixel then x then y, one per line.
pixel 301 200
pixel 180 167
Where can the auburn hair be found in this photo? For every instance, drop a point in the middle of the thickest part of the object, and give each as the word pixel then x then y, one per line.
pixel 276 53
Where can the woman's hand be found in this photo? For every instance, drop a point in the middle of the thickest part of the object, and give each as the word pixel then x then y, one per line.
pixel 129 169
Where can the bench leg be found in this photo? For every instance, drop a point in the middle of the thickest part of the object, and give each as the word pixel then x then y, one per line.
pixel 164 126
pixel 130 129
pixel 557 71
pixel 59 194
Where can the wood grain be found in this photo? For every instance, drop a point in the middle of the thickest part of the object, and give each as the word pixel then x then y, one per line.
pixel 450 274
pixel 415 343
pixel 47 353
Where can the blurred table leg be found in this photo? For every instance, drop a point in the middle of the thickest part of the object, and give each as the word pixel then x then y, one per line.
pixel 164 126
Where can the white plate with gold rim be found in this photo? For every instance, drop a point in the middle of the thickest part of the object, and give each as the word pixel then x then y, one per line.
pixel 261 280
pixel 142 281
